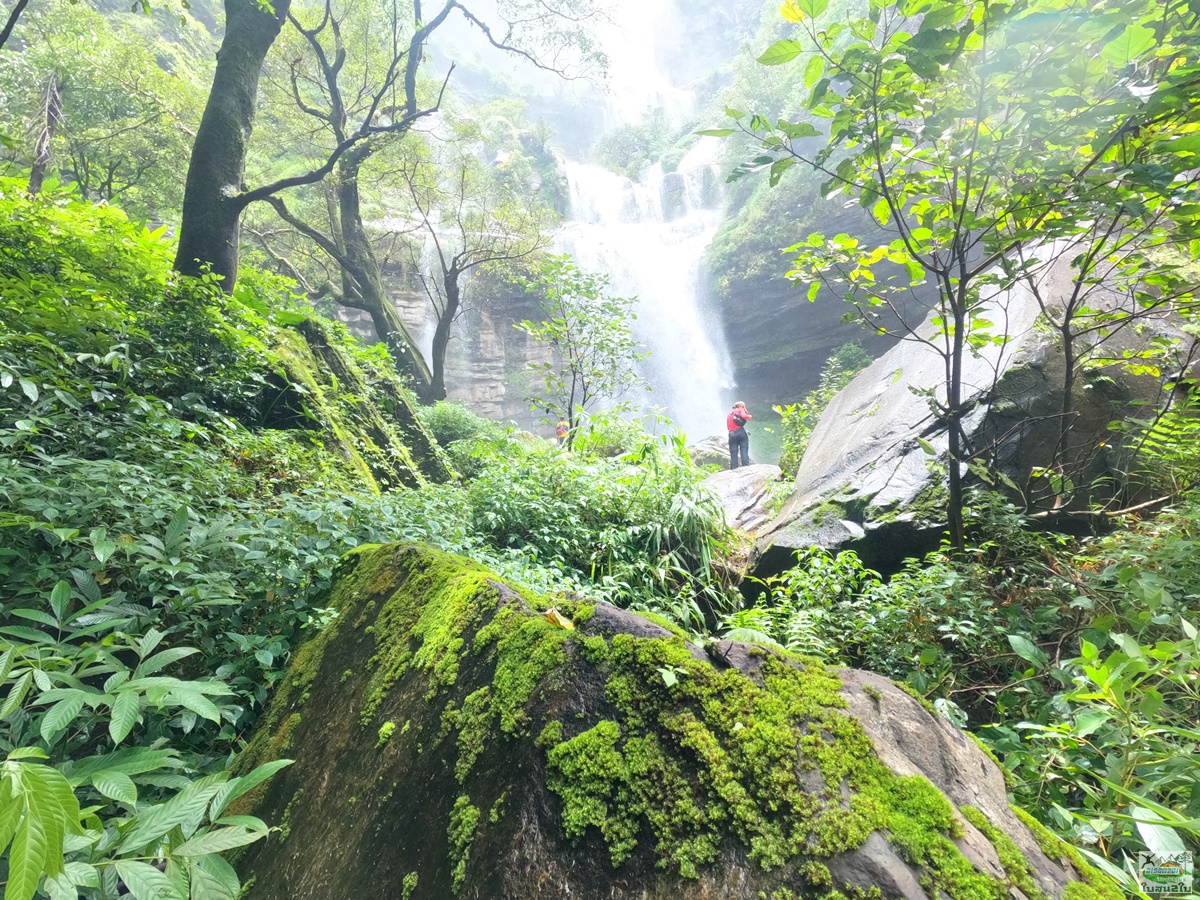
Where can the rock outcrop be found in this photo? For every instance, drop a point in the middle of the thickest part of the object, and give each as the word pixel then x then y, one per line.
pixel 710 451
pixel 455 736
pixel 867 480
pixel 745 494
pixel 357 410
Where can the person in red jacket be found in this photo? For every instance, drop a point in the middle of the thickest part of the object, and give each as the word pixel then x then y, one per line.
pixel 739 440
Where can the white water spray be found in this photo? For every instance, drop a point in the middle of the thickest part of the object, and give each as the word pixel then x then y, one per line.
pixel 653 250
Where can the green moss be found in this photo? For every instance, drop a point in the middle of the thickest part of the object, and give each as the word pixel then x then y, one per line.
pixel 551 734
pixel 632 778
pixel 497 810
pixel 474 732
pixel 1095 885
pixel 664 622
pixel 385 734
pixel 461 834
pixel 874 693
pixel 827 510
pixel 1015 865
pixel 408 886
pixel 594 649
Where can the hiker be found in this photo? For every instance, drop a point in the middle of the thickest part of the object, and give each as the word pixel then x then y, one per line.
pixel 739 440
pixel 562 431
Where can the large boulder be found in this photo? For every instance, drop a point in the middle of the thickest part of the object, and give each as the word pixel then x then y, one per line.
pixel 745 494
pixel 868 480
pixel 455 736
pixel 710 451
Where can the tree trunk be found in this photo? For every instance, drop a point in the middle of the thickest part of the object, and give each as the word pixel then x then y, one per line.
pixel 1067 411
pixel 955 503
pixel 212 207
pixel 441 339
pixel 363 269
pixel 51 117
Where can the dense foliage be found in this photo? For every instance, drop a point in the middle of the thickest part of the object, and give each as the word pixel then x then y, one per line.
pixel 1072 660
pixel 799 419
pixel 164 549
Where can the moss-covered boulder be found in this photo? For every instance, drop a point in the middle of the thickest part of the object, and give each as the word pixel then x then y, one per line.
pixel 455 736
pixel 354 402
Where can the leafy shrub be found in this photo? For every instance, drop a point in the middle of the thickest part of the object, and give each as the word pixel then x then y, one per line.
pixel 799 419
pixel 638 528
pixel 449 422
pixel 796 607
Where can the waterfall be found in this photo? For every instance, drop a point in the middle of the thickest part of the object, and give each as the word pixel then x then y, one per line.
pixel 650 236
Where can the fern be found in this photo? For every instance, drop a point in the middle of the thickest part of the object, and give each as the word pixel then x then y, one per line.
pixel 1170 445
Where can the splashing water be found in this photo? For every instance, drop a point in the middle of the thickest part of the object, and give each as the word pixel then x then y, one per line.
pixel 651 237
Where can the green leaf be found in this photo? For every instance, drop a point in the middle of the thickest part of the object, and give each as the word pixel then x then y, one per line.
pixel 716 132
pixel 116 786
pixel 1027 650
pixel 813 71
pixel 927 448
pixel 86 584
pixel 60 596
pixel 197 703
pixel 248 782
pixel 16 694
pixel 124 714
pixel 145 882
pixel 161 660
pixel 176 528
pixel 1128 645
pixel 1129 45
pixel 1159 839
pixel 153 824
pixel 1088 721
pixel 218 840
pixel 214 879
pixel 60 715
pixel 780 52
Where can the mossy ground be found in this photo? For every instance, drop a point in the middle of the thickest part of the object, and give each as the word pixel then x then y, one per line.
pixel 651 776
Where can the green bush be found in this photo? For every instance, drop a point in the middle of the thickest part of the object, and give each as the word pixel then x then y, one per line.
pixel 449 422
pixel 799 419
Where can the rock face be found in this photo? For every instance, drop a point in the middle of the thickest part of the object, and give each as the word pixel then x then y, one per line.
pixel 744 493
pixel 456 737
pixel 866 481
pixel 363 413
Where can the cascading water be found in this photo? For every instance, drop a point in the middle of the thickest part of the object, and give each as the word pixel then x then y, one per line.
pixel 650 237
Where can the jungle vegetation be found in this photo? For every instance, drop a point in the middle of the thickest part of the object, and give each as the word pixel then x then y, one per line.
pixel 172 514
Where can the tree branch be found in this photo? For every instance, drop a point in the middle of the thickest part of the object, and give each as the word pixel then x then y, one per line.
pixel 12 21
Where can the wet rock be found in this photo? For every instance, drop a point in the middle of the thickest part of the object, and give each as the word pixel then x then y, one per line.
pixel 745 494
pixel 711 451
pixel 867 480
pixel 455 736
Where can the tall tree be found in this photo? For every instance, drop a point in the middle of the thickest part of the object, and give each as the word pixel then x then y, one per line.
pixel 590 335
pixel 470 222
pixel 972 129
pixel 338 71
pixel 215 196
